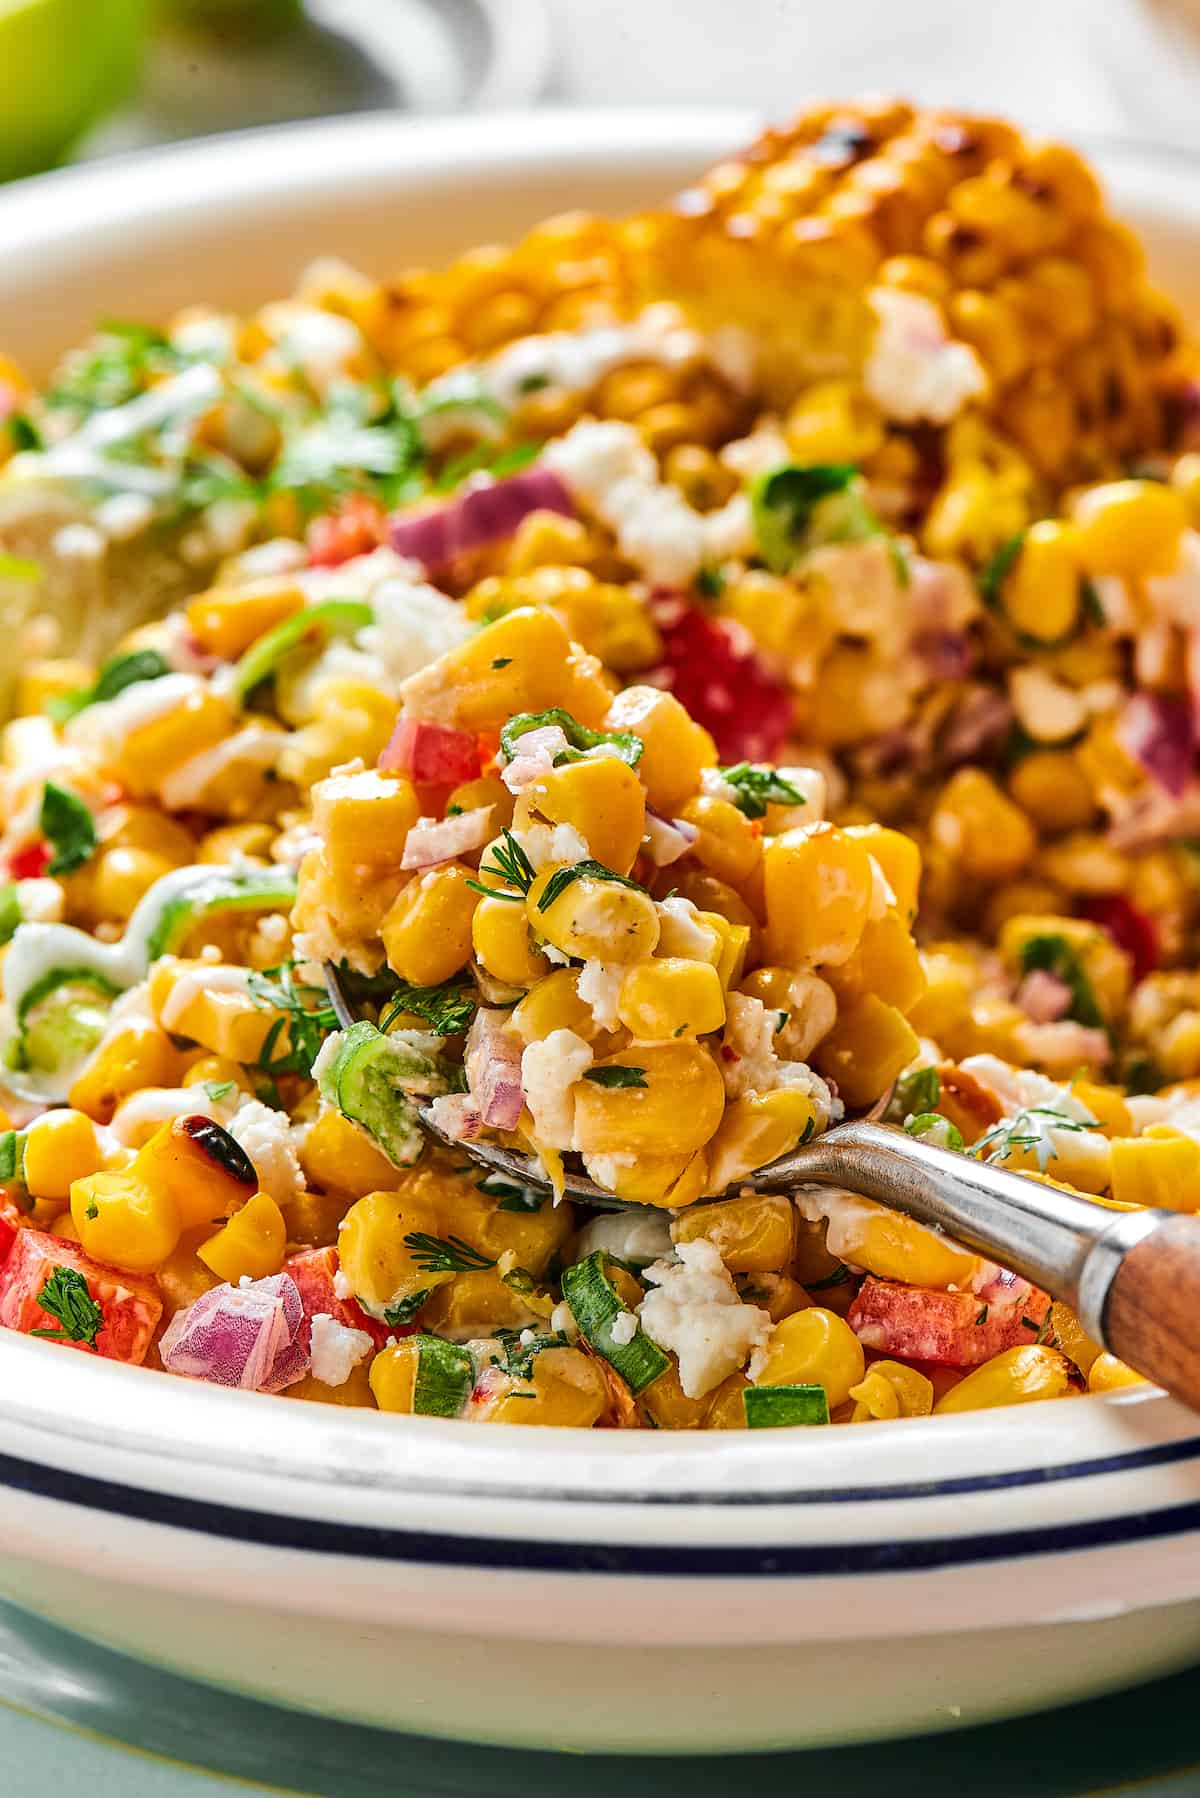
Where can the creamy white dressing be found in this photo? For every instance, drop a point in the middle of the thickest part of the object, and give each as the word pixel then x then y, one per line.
pixel 207 977
pixel 136 1120
pixel 186 787
pixel 106 726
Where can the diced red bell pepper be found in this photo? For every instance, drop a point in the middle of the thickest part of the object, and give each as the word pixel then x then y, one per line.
pixel 10 1223
pixel 31 862
pixel 432 754
pixel 355 529
pixel 957 1329
pixel 130 1302
pixel 1130 928
pixel 714 670
pixel 313 1271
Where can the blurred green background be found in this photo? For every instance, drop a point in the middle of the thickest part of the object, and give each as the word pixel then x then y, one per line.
pixel 62 64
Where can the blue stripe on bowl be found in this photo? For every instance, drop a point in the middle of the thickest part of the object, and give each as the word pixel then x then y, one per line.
pixel 368 1542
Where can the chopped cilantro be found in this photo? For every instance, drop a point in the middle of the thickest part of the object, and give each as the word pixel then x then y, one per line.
pixel 617 1077
pixel 308 1019
pixel 757 786
pixel 447 1009
pixel 69 828
pixel 445 1254
pixel 997 569
pixel 121 672
pixel 710 583
pixel 1053 954
pixel 579 737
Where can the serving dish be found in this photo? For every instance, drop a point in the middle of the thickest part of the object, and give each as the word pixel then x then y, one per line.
pixel 514 1590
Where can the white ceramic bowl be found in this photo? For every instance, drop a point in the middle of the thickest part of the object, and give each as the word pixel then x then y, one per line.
pixel 589 1590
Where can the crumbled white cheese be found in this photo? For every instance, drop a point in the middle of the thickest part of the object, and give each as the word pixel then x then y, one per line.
pixel 269 1140
pixel 752 1066
pixel 694 1310
pixel 915 370
pixel 549 1070
pixel 545 844
pixel 637 1236
pixel 624 1328
pixel 414 625
pixel 336 1349
pixel 342 1288
pixel 599 985
pixel 1047 708
pixel 682 931
pixel 322 345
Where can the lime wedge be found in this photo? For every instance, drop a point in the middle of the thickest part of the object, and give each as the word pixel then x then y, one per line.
pixel 62 63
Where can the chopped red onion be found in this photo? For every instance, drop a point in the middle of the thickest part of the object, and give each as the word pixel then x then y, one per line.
pixel 1043 997
pixel 477 516
pixel 493 1066
pixel 433 754
pixel 944 654
pixel 1159 733
pixel 978 724
pixel 536 751
pixel 247 1336
pixel 667 839
pixel 431 841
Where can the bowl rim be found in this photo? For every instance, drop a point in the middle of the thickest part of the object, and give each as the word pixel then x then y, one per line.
pixel 150 1451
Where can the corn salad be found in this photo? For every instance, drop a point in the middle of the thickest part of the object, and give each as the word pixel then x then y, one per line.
pixel 695 677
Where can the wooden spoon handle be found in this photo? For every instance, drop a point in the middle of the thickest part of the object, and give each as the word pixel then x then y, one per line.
pixel 1152 1317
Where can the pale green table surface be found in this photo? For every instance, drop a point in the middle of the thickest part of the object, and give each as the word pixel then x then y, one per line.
pixel 78 1720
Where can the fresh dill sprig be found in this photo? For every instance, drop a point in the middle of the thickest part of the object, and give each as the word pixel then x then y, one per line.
pixel 1030 1128
pixel 511 865
pixel 309 1018
pixel 445 1254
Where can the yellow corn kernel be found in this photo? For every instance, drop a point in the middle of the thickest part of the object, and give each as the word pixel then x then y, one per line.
pixel 426 931
pixel 382 1268
pixel 226 1020
pixel 202 720
pixel 594 919
pixel 553 1004
pixel 1107 1105
pixel 1069 1335
pixel 666 1403
pixel 674 1113
pixel 886 963
pixel 692 935
pixel 219 1069
pixel 729 845
pixel 476 1303
pixel 227 620
pixel 776 1294
pixel 1018 1376
pixel 725 1409
pixel 393 1376
pixel 602 799
pixel 897 1248
pixel 610 621
pixel 667 1181
pixel 354 1391
pixel 888 1390
pixel 735 948
pixel 833 421
pixel 252 1242
pixel 898 857
pixel 671 997
pixel 755 1130
pixel 124 1221
pixel 945 1005
pixel 753 1234
pixel 524 662
pixel 60 1148
pixel 567 1389
pixel 806 1006
pixel 1051 785
pixel 819 886
pixel 676 752
pixel 351 720
pixel 119 878
pixel 252 842
pixel 503 945
pixel 534 1237
pixel 868 1046
pixel 363 820
pixel 43 681
pixel 975 822
pixel 1107 968
pixel 1160 1167
pixel 1131 528
pixel 473 795
pixel 814 1348
pixel 1107 1374
pixel 1041 594
pixel 137 1055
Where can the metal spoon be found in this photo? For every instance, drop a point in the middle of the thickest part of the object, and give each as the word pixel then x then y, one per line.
pixel 1131 1277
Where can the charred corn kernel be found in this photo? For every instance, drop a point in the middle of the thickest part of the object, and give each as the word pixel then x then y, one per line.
pixel 819 887
pixel 553 1004
pixel 994 328
pixel 975 822
pixel 200 721
pixel 725 1408
pixel 1160 1167
pixel 473 795
pixel 757 1129
pixel 595 920
pixel 218 1070
pixel 889 1390
pixel 188 1159
pixel 669 1406
pixel 602 799
pixel 1069 1335
pixel 475 1304
pixel 1019 1376
pixel 1041 595
pixel 674 1113
pixel 727 844
pixel 314 1218
pixel 886 963
pixel 339 1157
pixel 704 481
pixel 60 1148
pixel 123 1221
pixel 135 1056
pixel 1107 1374
pixel 524 662
pixel 754 1234
pixel 426 931
pixel 817 1348
pixel 383 1269
pixel 213 1006
pixel 667 1181
pixel 833 421
pixel 227 620
pixel 503 945
pixel 676 750
pixel 1107 1105
pixel 567 1388
pixel 251 842
pixel 252 1242
pixel 868 1046
pixel 1052 787
pixel 671 997
pixel 898 857
pixel 363 821
pixel 1131 528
